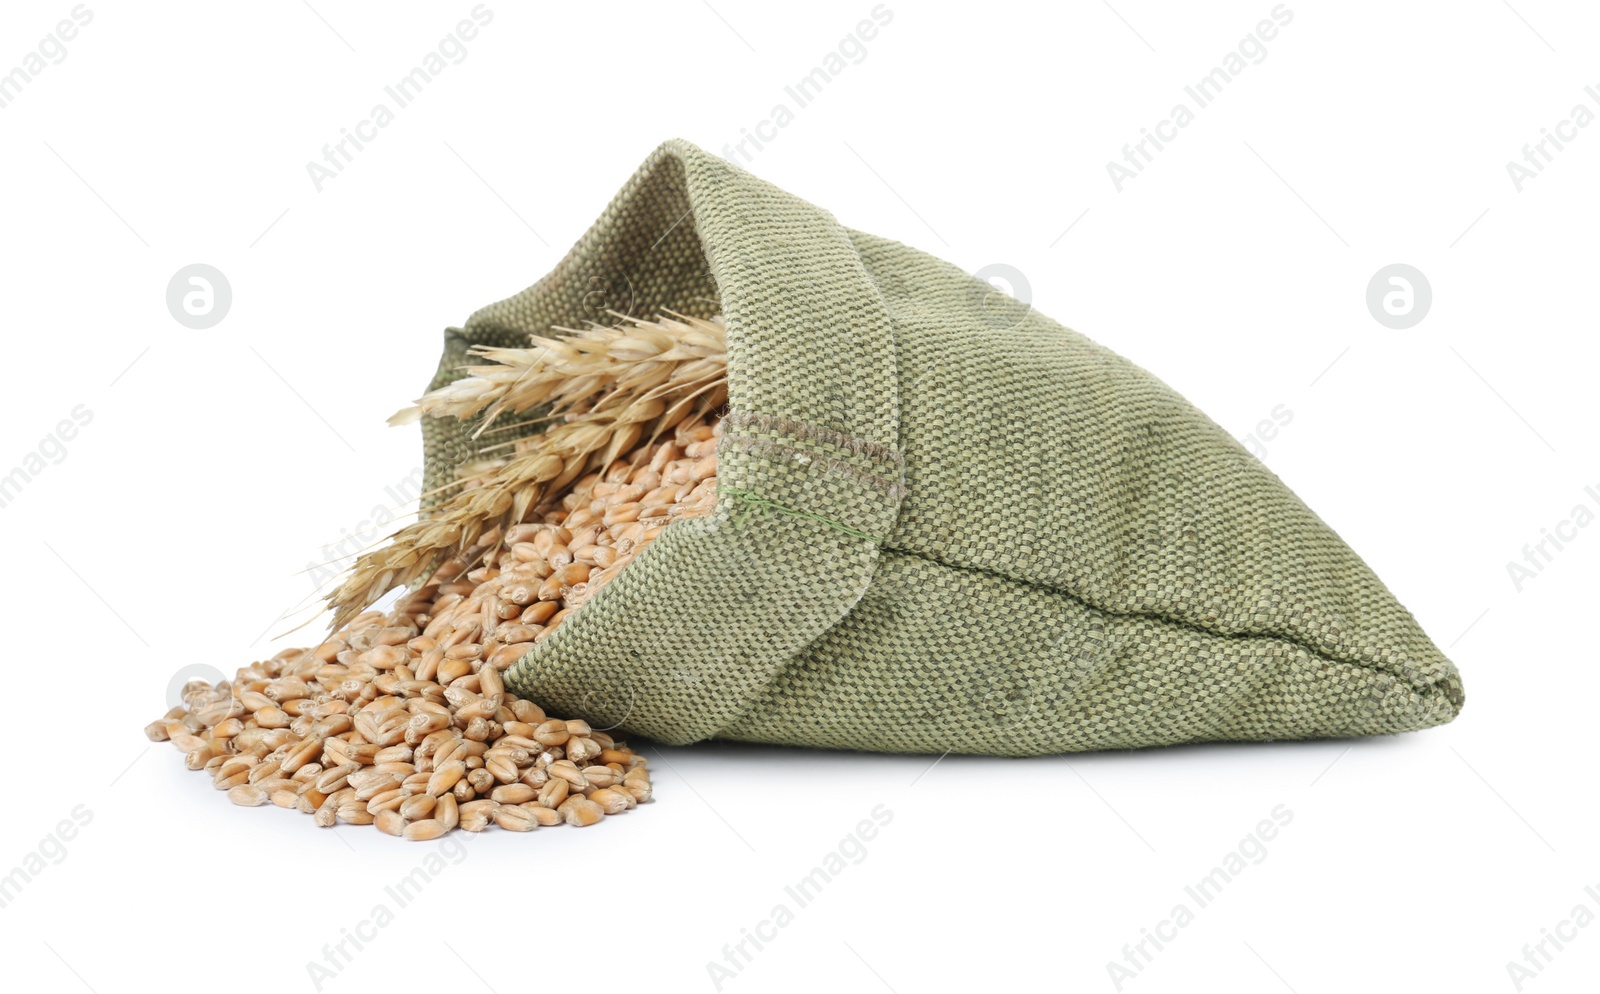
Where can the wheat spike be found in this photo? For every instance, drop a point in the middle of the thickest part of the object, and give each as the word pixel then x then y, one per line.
pixel 609 387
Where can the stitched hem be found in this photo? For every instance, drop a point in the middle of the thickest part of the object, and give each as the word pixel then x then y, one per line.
pixel 801 431
pixel 1434 686
pixel 893 489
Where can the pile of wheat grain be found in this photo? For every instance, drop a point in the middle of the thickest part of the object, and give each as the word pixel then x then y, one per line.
pixel 402 720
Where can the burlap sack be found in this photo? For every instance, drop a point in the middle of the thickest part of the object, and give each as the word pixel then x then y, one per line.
pixel 944 525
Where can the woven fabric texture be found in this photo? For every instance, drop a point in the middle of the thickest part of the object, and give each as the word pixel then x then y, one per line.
pixel 947 523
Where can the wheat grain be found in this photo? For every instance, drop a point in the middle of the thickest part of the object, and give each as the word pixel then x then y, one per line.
pixel 581 812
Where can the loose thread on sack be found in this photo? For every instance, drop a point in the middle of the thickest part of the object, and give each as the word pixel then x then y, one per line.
pixel 754 503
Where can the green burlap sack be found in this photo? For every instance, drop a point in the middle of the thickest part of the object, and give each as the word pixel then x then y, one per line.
pixel 943 525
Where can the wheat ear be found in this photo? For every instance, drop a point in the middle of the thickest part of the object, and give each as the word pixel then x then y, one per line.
pixel 611 387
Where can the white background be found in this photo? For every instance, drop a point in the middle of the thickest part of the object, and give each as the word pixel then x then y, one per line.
pixel 219 462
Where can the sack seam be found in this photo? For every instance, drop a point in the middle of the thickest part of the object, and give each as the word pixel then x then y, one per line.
pixel 1285 638
pixel 802 432
pixel 753 501
pixel 893 489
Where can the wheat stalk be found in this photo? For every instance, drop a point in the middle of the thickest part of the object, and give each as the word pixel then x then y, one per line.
pixel 611 387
